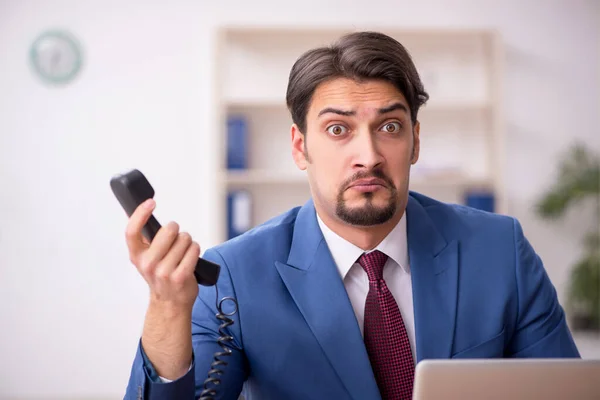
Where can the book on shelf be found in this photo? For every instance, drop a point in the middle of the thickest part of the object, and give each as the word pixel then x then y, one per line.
pixel 480 199
pixel 237 142
pixel 239 212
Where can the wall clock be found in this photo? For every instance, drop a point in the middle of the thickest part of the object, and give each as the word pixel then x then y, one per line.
pixel 56 57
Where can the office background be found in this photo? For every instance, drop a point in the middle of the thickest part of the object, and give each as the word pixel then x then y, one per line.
pixel 71 304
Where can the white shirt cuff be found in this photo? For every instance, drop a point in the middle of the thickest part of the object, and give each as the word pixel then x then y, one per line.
pixel 165 380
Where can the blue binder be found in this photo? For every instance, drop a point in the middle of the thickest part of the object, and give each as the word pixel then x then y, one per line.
pixel 481 200
pixel 239 213
pixel 237 142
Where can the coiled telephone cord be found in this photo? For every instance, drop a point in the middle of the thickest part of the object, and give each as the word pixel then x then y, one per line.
pixel 211 384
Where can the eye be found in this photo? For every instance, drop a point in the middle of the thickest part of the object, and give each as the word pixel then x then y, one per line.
pixel 392 127
pixel 336 130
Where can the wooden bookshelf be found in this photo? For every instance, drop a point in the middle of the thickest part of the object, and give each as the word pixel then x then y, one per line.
pixel 462 138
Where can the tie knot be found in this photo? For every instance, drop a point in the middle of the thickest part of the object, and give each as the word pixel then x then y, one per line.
pixel 373 263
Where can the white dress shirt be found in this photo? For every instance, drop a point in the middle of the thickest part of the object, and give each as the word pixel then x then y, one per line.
pixel 396 273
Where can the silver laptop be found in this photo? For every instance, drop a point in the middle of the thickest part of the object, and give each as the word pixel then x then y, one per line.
pixel 523 379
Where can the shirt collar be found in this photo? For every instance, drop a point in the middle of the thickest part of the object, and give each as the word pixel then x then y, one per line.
pixel 345 254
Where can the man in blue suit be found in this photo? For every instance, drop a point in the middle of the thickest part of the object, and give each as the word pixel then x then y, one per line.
pixel 341 297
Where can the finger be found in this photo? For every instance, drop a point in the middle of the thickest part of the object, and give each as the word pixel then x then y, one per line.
pixel 174 255
pixel 136 242
pixel 186 267
pixel 162 242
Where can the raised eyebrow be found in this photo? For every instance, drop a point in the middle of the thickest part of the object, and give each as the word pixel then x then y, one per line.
pixel 393 107
pixel 336 111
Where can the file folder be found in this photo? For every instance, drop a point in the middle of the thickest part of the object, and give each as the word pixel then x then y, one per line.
pixel 237 142
pixel 239 213
pixel 481 200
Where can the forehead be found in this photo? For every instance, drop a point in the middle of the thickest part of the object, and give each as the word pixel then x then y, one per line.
pixel 362 97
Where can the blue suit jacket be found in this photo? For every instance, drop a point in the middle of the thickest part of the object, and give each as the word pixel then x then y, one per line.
pixel 479 290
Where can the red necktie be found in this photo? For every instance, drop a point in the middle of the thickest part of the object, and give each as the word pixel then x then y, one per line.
pixel 385 335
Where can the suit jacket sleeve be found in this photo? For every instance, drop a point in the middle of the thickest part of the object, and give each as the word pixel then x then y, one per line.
pixel 541 330
pixel 144 382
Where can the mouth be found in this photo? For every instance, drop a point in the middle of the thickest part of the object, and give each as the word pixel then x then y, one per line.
pixel 368 185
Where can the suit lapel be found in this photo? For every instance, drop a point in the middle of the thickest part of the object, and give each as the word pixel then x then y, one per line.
pixel 434 270
pixel 314 283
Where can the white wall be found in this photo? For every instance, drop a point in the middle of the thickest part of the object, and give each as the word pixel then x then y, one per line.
pixel 71 305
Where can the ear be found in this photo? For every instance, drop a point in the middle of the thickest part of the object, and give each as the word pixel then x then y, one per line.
pixel 416 143
pixel 298 148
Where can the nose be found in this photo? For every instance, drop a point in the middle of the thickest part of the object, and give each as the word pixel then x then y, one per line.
pixel 366 150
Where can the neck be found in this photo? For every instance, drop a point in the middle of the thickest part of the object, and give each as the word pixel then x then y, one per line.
pixel 364 237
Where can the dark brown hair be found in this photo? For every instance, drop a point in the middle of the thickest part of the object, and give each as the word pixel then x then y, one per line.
pixel 359 56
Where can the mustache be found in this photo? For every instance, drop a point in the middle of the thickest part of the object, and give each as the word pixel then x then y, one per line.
pixel 376 173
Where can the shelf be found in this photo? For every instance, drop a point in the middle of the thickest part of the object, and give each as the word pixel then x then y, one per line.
pixel 443 180
pixel 431 107
pixel 257 32
pixel 256 102
pixel 449 62
pixel 428 180
pixel 263 176
pixel 455 106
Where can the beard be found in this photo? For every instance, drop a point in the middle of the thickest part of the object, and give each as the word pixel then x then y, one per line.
pixel 368 214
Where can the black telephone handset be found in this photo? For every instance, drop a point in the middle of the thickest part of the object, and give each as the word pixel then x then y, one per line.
pixel 132 189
